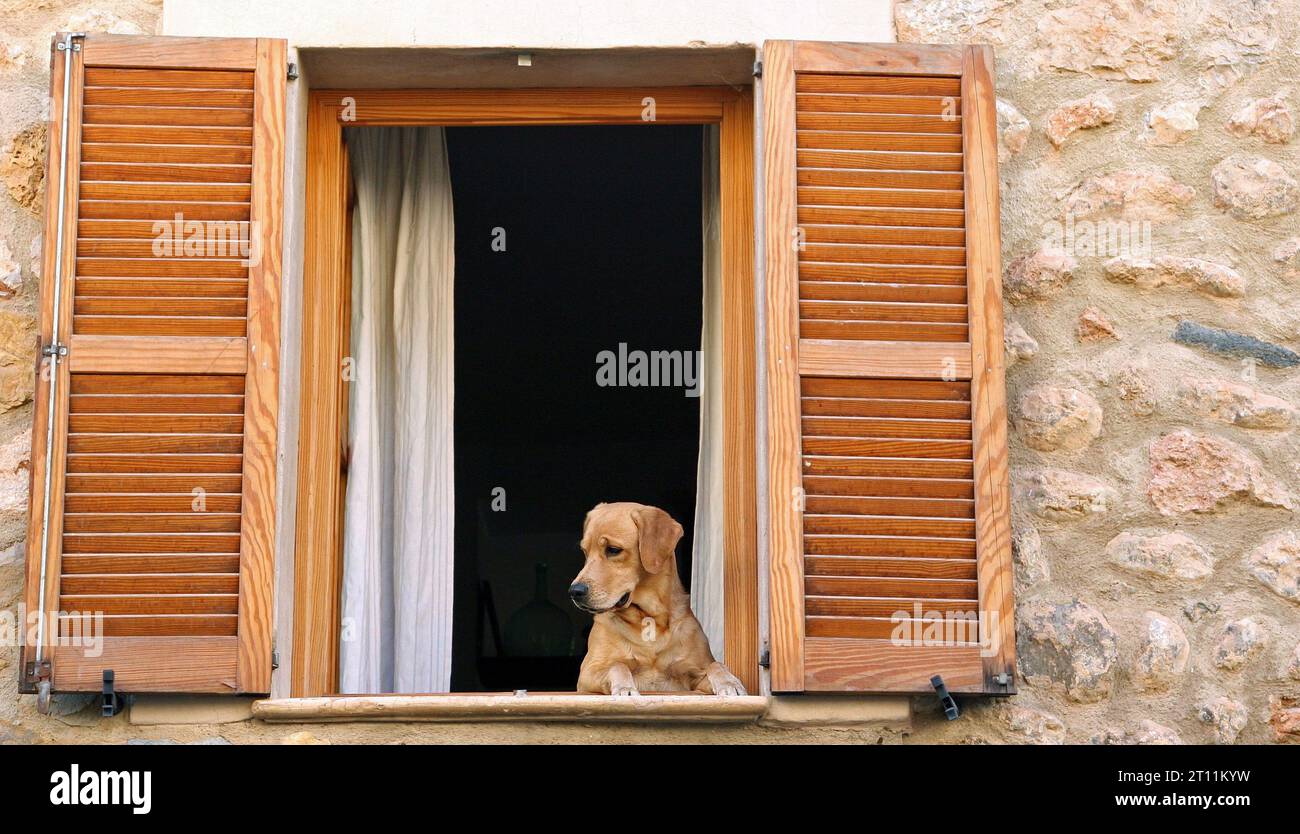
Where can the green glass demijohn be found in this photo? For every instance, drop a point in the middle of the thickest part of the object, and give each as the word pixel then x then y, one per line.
pixel 540 628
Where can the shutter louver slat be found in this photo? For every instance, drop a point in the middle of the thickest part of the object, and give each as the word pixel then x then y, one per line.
pixel 888 576
pixel 158 539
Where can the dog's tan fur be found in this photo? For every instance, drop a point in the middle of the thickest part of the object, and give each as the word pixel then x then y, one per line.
pixel 652 642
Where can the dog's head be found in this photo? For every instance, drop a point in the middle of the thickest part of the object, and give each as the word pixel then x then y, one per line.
pixel 623 544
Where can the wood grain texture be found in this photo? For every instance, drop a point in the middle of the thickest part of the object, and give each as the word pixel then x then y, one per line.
pixel 883 331
pixel 847 102
pixel 876 123
pixel 158 354
pixel 945 220
pixel 160 97
pixel 890 505
pixel 262 379
pixel 958 631
pixel 491 706
pixel 853 233
pixel 111 114
pixel 832 606
pixel 169 564
pixel 883 59
pixel 896 488
pixel 893 357
pixel 904 589
pixel 924 428
pixel 139 210
pixel 922 567
pixel 318 545
pixel 892 546
pixel 185 79
pixel 853 407
pixel 161 267
pixel 874 160
pixel 859 141
pixel 887 467
pixel 568 106
pixel 154 414
pixel 150 664
pixel 177 583
pixel 181 172
pixel 988 385
pixel 55 282
pixel 102 482
pixel 154 604
pixel 107 152
pixel 148 52
pixel 879 85
pixel 168 135
pixel 160 289
pixel 740 533
pixel 146 625
pixel 782 355
pixel 150 192
pixel 920 360
pixel 816 195
pixel 880 666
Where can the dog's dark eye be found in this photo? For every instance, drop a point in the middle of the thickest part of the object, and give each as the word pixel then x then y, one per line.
pixel 611 550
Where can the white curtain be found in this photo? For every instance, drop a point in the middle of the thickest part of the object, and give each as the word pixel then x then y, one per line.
pixel 707 557
pixel 398 533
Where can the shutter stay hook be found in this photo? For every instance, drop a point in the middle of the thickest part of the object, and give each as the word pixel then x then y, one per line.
pixel 950 709
pixel 110 702
pixel 55 350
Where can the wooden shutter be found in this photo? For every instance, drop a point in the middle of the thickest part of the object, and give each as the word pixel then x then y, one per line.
pixel 162 469
pixel 886 403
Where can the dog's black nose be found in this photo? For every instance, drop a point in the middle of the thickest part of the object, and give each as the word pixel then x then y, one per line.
pixel 578 590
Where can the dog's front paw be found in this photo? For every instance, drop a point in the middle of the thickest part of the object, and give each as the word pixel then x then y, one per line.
pixel 725 683
pixel 623 689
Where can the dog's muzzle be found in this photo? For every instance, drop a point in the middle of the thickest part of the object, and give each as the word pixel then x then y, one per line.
pixel 578 592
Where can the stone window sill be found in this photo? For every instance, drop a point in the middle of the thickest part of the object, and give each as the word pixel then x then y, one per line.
pixel 511 707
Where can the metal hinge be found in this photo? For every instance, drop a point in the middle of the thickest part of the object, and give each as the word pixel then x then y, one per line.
pixel 37 672
pixel 57 350
pixel 275 658
pixel 293 71
pixel 758 69
pixel 765 658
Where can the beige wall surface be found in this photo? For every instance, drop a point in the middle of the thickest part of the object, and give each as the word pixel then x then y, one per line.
pixel 570 24
pixel 1151 191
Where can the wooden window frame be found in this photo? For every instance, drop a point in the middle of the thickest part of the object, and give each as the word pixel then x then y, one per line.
pixel 318 549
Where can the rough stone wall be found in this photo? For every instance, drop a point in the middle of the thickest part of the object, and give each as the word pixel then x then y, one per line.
pixel 1150 239
pixel 1152 250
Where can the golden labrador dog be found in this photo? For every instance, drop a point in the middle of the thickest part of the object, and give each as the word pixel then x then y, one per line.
pixel 645 636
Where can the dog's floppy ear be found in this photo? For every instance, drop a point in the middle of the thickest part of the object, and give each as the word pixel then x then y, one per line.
pixel 658 536
pixel 586 521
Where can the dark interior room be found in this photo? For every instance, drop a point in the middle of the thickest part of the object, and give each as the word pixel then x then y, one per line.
pixel 569 241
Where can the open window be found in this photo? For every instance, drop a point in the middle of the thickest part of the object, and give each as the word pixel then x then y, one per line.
pixel 883 413
pixel 527 310
pixel 598 254
pixel 578 219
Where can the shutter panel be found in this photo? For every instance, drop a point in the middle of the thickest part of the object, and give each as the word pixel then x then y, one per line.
pixel 886 402
pixel 162 465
